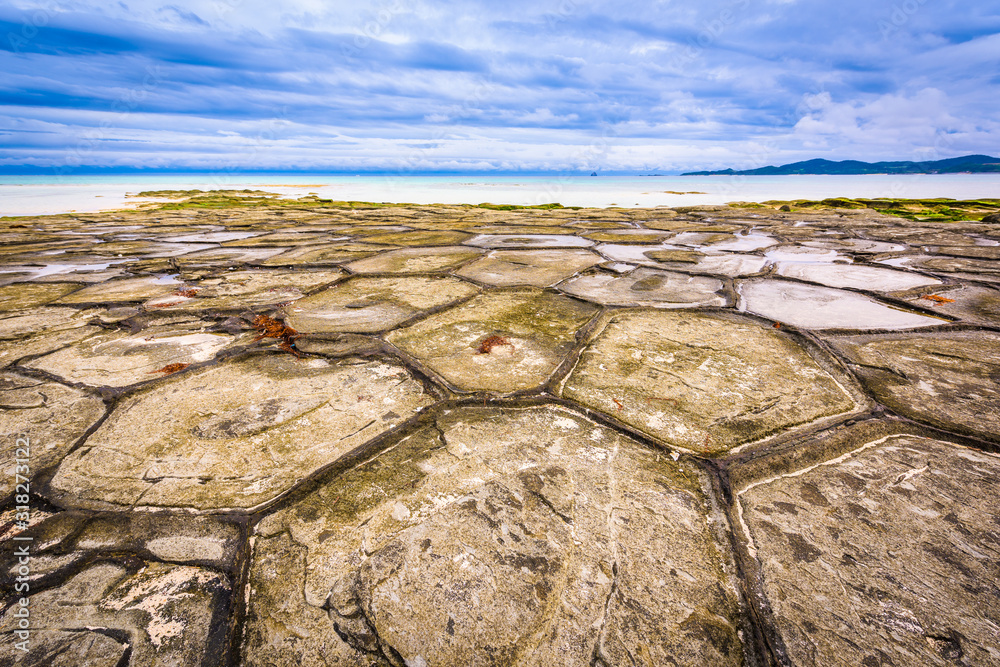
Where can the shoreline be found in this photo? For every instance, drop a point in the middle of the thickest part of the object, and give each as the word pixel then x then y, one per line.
pixel 922 210
pixel 83 194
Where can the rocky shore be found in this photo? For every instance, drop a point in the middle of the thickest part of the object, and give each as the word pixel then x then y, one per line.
pixel 240 430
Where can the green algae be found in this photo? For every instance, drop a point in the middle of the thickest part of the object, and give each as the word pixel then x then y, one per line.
pixel 918 210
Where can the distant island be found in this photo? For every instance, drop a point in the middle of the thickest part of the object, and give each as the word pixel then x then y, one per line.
pixel 975 164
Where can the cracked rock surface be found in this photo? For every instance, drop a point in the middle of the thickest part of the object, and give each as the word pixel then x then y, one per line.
pixel 267 432
pixel 897 540
pixel 235 435
pixel 532 538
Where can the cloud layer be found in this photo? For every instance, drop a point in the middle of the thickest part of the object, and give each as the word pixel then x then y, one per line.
pixel 413 85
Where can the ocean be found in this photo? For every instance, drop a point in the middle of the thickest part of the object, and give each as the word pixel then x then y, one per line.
pixel 39 195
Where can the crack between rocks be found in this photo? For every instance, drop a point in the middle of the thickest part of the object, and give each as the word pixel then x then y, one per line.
pixel 545 501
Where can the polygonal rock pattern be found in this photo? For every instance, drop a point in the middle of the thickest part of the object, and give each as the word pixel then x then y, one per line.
pixel 116 359
pixel 237 434
pixel 647 287
pixel 364 305
pixel 49 416
pixel 338 498
pixel 416 260
pixel 60 542
pixel 887 555
pixel 500 341
pixel 507 268
pixel 525 537
pixel 153 614
pixel 703 383
pixel 949 380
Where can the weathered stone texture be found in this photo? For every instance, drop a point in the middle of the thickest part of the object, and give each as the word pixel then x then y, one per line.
pixel 532 537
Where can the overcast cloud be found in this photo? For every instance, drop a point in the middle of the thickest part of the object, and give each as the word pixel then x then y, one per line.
pixel 473 85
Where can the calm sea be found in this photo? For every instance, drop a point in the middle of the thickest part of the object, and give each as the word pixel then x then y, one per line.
pixel 32 195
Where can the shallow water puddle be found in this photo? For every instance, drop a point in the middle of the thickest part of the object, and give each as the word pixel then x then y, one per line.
pixel 813 307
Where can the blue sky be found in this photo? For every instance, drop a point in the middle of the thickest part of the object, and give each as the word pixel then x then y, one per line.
pixel 567 85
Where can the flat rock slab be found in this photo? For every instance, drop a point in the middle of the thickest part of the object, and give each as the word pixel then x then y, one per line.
pixel 508 268
pixel 720 264
pixel 501 341
pixel 968 303
pixel 117 359
pixel 813 307
pixel 236 290
pixel 703 383
pixel 367 305
pixel 125 289
pixel 949 380
pixel 50 416
pixel 235 435
pixel 155 614
pixel 419 238
pixel 323 255
pixel 20 297
pixel 522 537
pixel 887 555
pixel 528 240
pixel 871 278
pixel 647 287
pixel 416 260
pixel 973 269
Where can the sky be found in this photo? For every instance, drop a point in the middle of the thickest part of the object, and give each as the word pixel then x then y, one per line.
pixel 650 86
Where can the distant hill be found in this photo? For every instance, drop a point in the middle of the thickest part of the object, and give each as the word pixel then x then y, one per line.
pixel 975 164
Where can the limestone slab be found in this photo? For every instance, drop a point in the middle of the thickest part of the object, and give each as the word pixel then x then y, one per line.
pixel 52 417
pixel 499 341
pixel 415 260
pixel 508 268
pixel 235 290
pixel 703 383
pixel 527 537
pixel 527 240
pixel 324 255
pixel 814 307
pixel 366 305
pixel 870 278
pixel 125 289
pixel 22 296
pixel 887 555
pixel 968 303
pixel 647 287
pixel 949 380
pixel 163 615
pixel 117 359
pixel 235 435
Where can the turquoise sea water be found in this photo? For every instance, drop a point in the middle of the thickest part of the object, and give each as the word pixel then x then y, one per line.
pixel 32 195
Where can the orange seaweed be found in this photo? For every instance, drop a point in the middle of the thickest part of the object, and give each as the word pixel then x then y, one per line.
pixel 936 299
pixel 171 368
pixel 268 327
pixel 490 342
